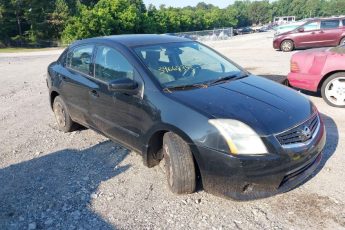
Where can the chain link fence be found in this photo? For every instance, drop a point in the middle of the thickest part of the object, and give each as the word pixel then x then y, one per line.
pixel 208 35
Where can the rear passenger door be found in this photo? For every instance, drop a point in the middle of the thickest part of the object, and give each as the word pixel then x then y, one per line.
pixel 330 32
pixel 75 83
pixel 116 114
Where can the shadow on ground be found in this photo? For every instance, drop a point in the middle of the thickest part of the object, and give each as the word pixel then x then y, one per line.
pixel 54 191
pixel 332 140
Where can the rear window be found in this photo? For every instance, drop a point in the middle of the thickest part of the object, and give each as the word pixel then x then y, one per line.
pixel 330 24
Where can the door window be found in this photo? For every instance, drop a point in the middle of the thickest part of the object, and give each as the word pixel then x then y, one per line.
pixel 111 65
pixel 311 26
pixel 344 22
pixel 80 59
pixel 330 24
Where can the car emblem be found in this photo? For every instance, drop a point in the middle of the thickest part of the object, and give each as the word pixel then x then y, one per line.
pixel 305 133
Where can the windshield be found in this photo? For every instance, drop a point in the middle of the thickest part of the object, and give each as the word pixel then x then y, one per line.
pixel 185 64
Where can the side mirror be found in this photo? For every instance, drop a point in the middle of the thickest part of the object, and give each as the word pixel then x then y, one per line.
pixel 123 85
pixel 300 29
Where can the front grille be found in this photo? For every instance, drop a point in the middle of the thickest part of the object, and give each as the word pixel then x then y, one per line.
pixel 301 133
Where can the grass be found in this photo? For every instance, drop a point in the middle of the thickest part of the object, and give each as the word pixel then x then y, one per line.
pixel 18 50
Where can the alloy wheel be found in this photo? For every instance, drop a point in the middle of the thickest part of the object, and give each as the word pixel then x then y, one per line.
pixel 287 46
pixel 335 91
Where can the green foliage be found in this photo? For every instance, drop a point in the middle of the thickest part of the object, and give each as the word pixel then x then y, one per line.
pixel 58 18
pixel 31 21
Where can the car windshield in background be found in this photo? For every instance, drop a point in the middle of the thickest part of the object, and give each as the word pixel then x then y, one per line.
pixel 186 64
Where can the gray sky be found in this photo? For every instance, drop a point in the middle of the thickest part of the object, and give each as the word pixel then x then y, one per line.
pixel 181 3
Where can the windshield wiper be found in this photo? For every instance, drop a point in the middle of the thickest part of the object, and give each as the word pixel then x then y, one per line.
pixel 228 78
pixel 184 87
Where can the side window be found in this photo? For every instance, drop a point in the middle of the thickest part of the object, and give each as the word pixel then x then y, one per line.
pixel 111 65
pixel 344 22
pixel 330 24
pixel 80 59
pixel 311 26
pixel 62 58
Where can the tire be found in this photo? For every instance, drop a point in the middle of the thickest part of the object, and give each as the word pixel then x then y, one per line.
pixel 179 164
pixel 286 46
pixel 63 119
pixel 286 83
pixel 333 90
pixel 342 41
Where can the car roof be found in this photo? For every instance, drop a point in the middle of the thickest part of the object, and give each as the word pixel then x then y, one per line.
pixel 329 18
pixel 131 40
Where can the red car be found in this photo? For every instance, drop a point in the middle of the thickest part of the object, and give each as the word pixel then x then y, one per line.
pixel 314 33
pixel 320 70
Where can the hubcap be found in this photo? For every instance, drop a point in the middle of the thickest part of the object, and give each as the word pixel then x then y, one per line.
pixel 286 46
pixel 60 115
pixel 335 91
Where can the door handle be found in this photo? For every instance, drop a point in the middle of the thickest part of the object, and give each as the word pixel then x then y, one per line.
pixel 93 93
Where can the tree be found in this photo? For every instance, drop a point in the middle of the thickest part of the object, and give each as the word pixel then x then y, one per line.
pixel 242 9
pixel 30 21
pixel 58 18
pixel 260 12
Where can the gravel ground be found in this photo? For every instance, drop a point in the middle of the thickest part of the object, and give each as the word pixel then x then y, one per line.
pixel 81 180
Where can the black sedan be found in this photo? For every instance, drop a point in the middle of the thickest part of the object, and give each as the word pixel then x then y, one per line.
pixel 177 100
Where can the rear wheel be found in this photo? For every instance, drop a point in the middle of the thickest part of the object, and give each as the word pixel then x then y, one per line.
pixel 179 164
pixel 342 41
pixel 333 90
pixel 63 119
pixel 287 46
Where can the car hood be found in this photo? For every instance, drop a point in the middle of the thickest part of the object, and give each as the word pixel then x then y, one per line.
pixel 264 105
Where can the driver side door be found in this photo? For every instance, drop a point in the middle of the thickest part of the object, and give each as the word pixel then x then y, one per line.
pixel 306 36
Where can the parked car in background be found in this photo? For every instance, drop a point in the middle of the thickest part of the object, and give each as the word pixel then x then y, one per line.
pixel 320 70
pixel 287 27
pixel 178 101
pixel 244 30
pixel 314 33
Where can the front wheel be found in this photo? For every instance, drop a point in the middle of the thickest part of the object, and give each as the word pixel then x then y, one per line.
pixel 287 46
pixel 342 41
pixel 179 164
pixel 333 90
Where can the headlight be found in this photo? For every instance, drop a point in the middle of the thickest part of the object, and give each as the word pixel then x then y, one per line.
pixel 240 138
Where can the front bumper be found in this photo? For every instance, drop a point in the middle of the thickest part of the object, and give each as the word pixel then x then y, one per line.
pixel 304 81
pixel 276 44
pixel 252 177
